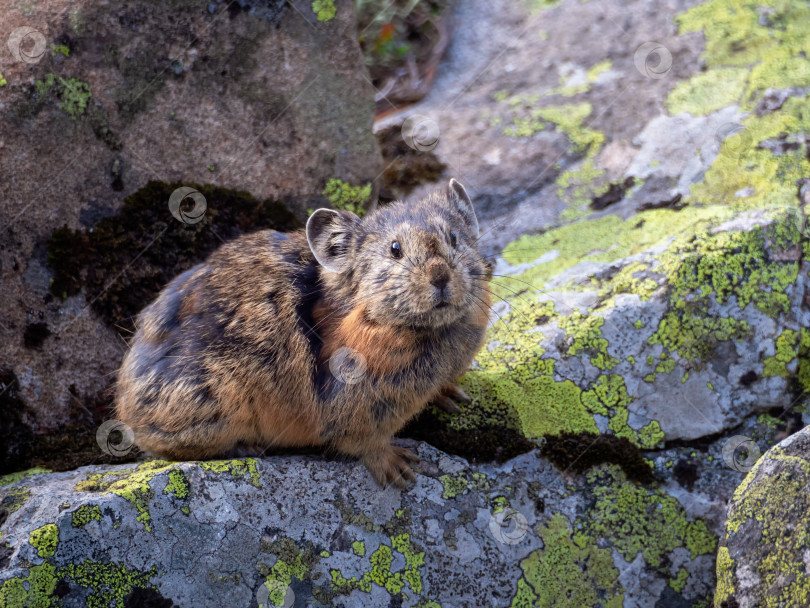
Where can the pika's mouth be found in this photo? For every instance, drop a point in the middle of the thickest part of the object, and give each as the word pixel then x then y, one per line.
pixel 442 304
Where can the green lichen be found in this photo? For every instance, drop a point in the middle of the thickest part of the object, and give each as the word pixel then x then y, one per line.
pixel 131 484
pixel 725 577
pixel 109 583
pixel 459 483
pixel 73 94
pixel 237 469
pixel 679 582
pixel 380 572
pixel 45 540
pixel 57 49
pixel 34 591
pixel 569 572
pixel 293 562
pixel 2 81
pixel 708 91
pixel 787 349
pixel 343 195
pixel 85 514
pixel 803 374
pixel 634 519
pixel 15 477
pixel 324 9
pixel 359 547
pixel 178 484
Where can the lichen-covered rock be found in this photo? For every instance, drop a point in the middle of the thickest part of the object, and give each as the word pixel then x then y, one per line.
pixel 262 103
pixel 298 530
pixel 764 559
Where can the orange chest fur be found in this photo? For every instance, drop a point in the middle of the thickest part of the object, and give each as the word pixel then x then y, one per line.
pixel 385 349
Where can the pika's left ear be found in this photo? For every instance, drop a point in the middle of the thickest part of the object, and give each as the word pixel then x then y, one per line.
pixel 459 198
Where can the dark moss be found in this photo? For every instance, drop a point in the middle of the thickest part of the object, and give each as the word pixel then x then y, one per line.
pixel 486 443
pixel 579 452
pixel 614 194
pixel 35 334
pixel 16 437
pixel 405 168
pixel 124 260
pixel 686 473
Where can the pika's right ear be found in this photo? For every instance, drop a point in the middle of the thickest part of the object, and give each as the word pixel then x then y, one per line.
pixel 329 234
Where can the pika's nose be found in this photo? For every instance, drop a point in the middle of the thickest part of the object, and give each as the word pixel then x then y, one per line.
pixel 439 278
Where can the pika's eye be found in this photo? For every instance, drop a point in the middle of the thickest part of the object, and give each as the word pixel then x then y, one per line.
pixel 396 250
pixel 453 239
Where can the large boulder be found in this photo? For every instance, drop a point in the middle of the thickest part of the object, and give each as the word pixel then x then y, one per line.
pixel 764 558
pixel 266 104
pixel 301 531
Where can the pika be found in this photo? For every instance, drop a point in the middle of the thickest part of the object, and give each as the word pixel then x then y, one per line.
pixel 332 336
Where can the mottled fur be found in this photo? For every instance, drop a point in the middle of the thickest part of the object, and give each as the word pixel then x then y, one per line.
pixel 244 349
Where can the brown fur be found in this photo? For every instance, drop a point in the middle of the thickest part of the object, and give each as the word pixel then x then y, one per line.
pixel 241 350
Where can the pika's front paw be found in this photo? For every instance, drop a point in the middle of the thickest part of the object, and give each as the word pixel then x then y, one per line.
pixel 448 396
pixel 391 465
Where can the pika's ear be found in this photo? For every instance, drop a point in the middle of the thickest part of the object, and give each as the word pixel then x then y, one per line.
pixel 329 234
pixel 460 200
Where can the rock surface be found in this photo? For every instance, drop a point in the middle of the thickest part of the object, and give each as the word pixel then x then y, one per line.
pixel 268 97
pixel 764 559
pixel 308 532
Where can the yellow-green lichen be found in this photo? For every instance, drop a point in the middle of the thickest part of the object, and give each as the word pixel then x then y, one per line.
pixel 85 514
pixel 359 547
pixel 725 577
pixel 34 591
pixel 237 468
pixel 74 95
pixel 787 349
pixel 45 540
pixel 292 562
pixel 343 195
pixel 324 9
pixel 380 570
pixel 130 484
pixel 109 583
pixel 634 519
pixel 15 477
pixel 178 484
pixel 568 572
pixel 461 482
